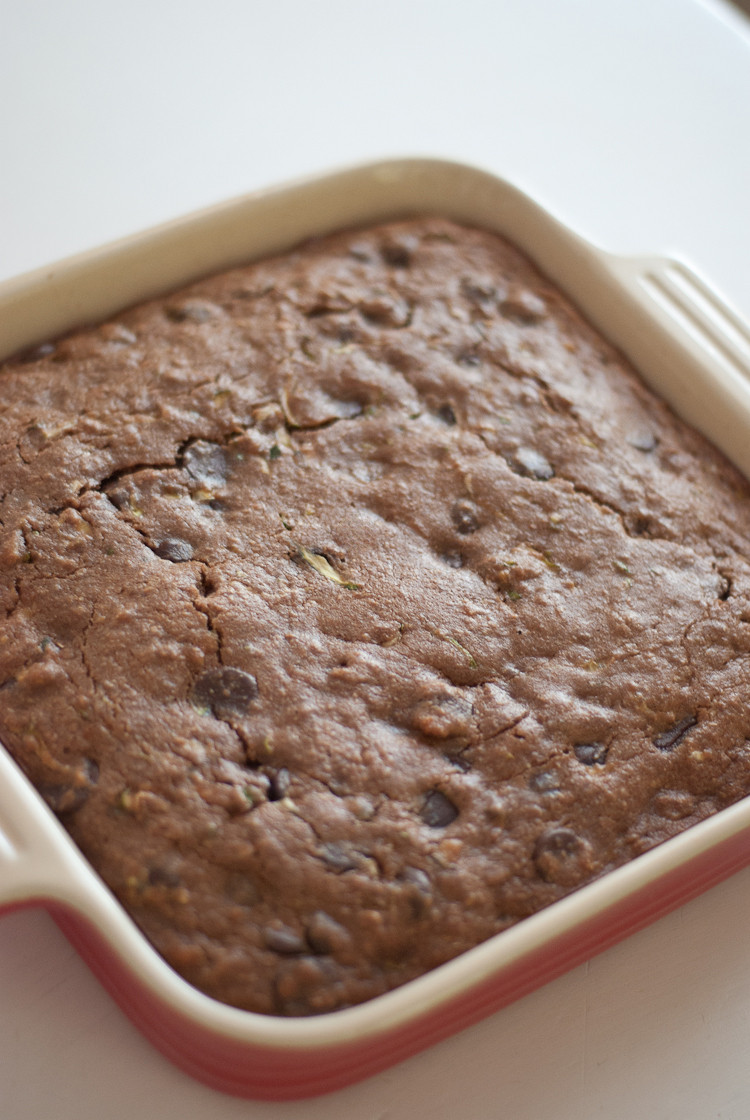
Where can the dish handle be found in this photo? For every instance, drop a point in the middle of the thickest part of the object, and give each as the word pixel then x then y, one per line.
pixel 687 306
pixel 34 865
pixel 689 344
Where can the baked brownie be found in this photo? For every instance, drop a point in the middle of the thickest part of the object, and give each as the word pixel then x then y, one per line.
pixel 359 603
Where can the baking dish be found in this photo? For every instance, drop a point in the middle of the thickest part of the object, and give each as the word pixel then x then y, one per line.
pixel 688 346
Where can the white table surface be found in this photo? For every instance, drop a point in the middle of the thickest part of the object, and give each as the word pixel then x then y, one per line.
pixel 629 119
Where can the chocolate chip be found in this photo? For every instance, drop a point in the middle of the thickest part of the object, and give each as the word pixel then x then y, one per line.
pixel 361 252
pixel 532 464
pixel 66 798
pixel 524 306
pixel 639 526
pixel 418 891
pixel 119 496
pixel 561 856
pixel 385 311
pixel 418 878
pixel 480 293
pixel 591 754
pixel 325 935
pixel 34 438
pixel 282 939
pixel 669 739
pixel 192 311
pixel 163 877
pixel 437 810
pixel 673 805
pixel 225 692
pixel 447 415
pixel 643 440
pixel 36 353
pixel 174 549
pixel 305 985
pixel 339 858
pixel 546 781
pixel 363 808
pixel 396 254
pixel 465 517
pixel 205 463
pixel 279 782
pixel 117 334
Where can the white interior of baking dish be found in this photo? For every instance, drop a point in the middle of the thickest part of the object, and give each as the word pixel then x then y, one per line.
pixel 688 345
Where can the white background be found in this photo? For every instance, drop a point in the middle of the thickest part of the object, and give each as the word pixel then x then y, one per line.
pixel 630 120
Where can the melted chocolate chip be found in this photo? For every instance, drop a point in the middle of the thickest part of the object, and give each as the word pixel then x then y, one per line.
pixel 62 799
pixel 418 890
pixel 325 935
pixel 673 804
pixel 447 415
pixel 278 784
pixel 304 985
pixel 385 311
pixel 119 496
pixel 437 810
pixel 174 549
pixel 638 526
pixel 591 754
pixel 282 939
pixel 225 692
pixel 163 877
pixel 205 463
pixel 66 798
pixel 670 738
pixel 34 438
pixel 418 878
pixel 361 253
pixel 561 856
pixel 481 294
pixel 465 517
pixel 546 781
pixel 523 306
pixel 643 440
pixel 396 254
pixel 37 353
pixel 339 858
pixel 190 311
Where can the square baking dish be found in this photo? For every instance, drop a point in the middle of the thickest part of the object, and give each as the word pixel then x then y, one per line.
pixel 688 346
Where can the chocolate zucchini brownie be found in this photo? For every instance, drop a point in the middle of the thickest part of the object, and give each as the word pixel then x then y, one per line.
pixel 360 603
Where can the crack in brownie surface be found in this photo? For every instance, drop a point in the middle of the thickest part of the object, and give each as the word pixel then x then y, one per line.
pixel 359 603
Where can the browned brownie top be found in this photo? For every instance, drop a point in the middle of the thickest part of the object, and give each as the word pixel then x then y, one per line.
pixel 359 603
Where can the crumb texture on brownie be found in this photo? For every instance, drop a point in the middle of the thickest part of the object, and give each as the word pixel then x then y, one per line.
pixel 357 604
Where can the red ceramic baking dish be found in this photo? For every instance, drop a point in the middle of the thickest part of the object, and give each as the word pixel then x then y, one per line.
pixel 688 346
